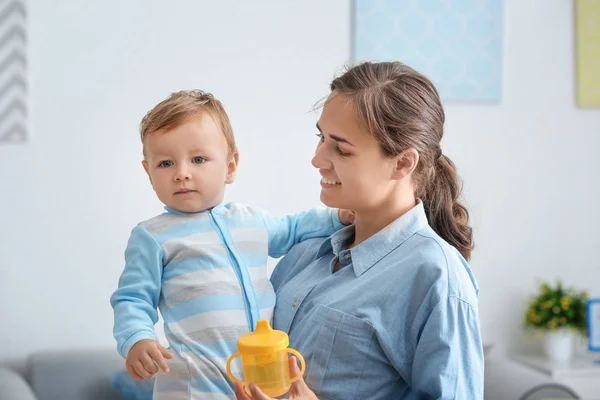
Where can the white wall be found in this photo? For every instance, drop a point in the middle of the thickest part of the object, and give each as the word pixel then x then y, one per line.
pixel 70 196
pixel 531 170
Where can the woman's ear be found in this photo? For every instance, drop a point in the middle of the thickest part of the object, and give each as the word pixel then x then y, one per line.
pixel 406 162
pixel 232 165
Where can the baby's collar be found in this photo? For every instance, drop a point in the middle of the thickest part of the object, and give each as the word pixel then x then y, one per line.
pixel 219 208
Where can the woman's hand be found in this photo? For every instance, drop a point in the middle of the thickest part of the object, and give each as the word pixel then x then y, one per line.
pixel 298 391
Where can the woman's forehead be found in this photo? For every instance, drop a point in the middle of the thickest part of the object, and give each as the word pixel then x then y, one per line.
pixel 339 118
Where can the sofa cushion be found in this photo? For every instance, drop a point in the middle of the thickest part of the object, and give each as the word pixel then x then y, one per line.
pixel 74 374
pixel 13 386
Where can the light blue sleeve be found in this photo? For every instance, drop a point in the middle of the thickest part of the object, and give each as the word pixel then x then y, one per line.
pixel 448 362
pixel 135 301
pixel 284 232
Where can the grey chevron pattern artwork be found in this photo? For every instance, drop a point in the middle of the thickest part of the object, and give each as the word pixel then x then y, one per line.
pixel 13 71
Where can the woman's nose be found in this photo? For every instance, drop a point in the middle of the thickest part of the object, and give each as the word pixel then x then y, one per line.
pixel 320 159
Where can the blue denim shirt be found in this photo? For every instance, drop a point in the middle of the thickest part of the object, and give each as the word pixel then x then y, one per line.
pixel 399 320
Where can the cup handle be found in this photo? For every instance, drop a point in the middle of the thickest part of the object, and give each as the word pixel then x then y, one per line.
pixel 233 378
pixel 302 364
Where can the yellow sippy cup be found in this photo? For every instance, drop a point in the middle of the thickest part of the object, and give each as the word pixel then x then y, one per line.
pixel 265 360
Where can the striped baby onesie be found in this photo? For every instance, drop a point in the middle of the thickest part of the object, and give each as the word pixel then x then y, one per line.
pixel 207 274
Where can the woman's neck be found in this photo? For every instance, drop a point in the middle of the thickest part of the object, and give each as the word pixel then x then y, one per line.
pixel 368 223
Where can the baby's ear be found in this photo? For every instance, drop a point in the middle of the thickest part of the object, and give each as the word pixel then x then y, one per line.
pixel 232 165
pixel 147 169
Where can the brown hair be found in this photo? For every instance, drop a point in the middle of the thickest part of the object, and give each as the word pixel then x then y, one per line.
pixel 402 109
pixel 180 107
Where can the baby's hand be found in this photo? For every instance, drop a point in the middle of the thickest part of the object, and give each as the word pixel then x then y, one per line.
pixel 145 357
pixel 346 216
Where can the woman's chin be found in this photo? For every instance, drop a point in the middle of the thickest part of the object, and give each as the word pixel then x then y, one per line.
pixel 331 201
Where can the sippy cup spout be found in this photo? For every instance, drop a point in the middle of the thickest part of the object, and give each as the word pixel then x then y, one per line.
pixel 263 326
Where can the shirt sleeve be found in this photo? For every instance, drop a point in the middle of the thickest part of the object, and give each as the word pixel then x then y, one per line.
pixel 284 232
pixel 448 361
pixel 135 301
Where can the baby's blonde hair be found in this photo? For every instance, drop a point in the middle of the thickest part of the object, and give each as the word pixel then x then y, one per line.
pixel 182 106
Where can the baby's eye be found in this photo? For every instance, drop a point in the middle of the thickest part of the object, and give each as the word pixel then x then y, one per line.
pixel 165 164
pixel 198 160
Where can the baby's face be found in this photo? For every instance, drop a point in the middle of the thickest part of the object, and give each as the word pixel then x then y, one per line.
pixel 189 165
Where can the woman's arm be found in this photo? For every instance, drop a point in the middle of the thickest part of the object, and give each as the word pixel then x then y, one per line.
pixel 448 361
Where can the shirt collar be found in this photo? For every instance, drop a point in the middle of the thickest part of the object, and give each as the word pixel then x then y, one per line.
pixel 372 250
pixel 219 208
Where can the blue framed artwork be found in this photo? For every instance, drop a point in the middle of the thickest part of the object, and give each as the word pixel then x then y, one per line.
pixel 457 44
pixel 593 324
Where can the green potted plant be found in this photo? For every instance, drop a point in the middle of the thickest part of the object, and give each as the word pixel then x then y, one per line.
pixel 558 313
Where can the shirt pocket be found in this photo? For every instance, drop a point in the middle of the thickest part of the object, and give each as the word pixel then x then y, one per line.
pixel 341 352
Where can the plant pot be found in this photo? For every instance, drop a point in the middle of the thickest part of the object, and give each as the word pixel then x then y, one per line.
pixel 558 345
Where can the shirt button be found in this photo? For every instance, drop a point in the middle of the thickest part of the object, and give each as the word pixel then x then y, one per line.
pixel 347 256
pixel 294 303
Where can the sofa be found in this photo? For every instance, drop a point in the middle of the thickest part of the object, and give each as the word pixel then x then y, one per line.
pixel 63 375
pixel 87 375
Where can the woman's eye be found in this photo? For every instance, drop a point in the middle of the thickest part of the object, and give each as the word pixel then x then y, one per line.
pixel 165 164
pixel 320 136
pixel 340 152
pixel 198 160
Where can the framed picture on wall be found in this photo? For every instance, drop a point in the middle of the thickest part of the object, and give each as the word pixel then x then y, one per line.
pixel 593 319
pixel 458 44
pixel 13 72
pixel 587 52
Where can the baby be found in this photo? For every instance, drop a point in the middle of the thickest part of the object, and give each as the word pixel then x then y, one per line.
pixel 202 262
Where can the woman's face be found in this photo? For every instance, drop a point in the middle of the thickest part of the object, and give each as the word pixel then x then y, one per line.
pixel 356 174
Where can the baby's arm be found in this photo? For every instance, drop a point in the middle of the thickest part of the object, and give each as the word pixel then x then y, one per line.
pixel 136 299
pixel 286 231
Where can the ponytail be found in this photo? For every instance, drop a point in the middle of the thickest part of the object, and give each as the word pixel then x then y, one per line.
pixel 446 215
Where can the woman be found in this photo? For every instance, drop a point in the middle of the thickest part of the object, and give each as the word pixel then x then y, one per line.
pixel 386 308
